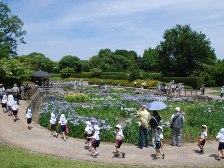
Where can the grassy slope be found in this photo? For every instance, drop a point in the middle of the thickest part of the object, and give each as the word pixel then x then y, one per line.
pixel 11 157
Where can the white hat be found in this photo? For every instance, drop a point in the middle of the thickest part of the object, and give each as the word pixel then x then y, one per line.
pixel 204 126
pixel 160 127
pixel 52 115
pixel 88 123
pixel 96 127
pixel 29 111
pixel 222 131
pixel 118 126
pixel 177 109
pixel 144 105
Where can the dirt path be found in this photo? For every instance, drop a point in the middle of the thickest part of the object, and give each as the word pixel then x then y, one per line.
pixel 38 140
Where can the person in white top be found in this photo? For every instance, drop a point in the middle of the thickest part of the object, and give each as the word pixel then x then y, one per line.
pixel 10 101
pixel 53 126
pixel 4 102
pixel 201 139
pixel 29 118
pixel 119 141
pixel 95 141
pixel 63 123
pixel 220 138
pixel 88 132
pixel 15 109
pixel 159 142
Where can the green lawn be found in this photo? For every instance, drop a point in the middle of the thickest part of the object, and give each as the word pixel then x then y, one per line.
pixel 11 157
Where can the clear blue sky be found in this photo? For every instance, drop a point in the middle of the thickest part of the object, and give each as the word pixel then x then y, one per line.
pixel 82 27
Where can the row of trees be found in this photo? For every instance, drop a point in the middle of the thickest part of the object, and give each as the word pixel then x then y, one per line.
pixel 183 52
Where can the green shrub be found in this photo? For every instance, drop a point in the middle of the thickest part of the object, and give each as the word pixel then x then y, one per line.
pixel 77 97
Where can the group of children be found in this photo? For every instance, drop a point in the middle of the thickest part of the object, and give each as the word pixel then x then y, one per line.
pixel 92 133
pixel 219 137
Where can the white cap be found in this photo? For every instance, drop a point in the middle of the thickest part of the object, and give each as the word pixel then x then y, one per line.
pixel 118 126
pixel 96 127
pixel 144 105
pixel 29 111
pixel 222 131
pixel 204 126
pixel 160 127
pixel 52 115
pixel 177 109
pixel 88 123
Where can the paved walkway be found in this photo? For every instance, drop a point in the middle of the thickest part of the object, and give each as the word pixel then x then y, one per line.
pixel 38 140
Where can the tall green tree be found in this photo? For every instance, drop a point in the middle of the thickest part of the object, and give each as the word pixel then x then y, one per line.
pixel 183 51
pixel 150 60
pixel 70 61
pixel 11 33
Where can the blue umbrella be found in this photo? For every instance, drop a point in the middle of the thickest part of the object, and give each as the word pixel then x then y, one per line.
pixel 156 105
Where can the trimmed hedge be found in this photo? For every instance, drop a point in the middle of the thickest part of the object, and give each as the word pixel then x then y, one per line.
pixel 195 82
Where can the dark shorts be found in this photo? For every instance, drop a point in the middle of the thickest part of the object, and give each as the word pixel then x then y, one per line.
pixel 53 127
pixel 96 143
pixel 29 120
pixel 3 105
pixel 118 143
pixel 158 145
pixel 202 143
pixel 14 112
pixel 221 146
pixel 63 128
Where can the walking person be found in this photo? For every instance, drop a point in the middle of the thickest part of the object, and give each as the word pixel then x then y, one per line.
pixel 2 91
pixel 203 89
pixel 119 141
pixel 15 109
pixel 63 123
pixel 144 117
pixel 53 126
pixel 15 92
pixel 4 102
pixel 222 91
pixel 29 118
pixel 95 139
pixel 177 127
pixel 201 139
pixel 88 132
pixel 154 123
pixel 220 138
pixel 159 142
pixel 10 101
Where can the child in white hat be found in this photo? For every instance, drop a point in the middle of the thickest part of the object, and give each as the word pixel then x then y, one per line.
pixel 53 126
pixel 29 118
pixel 201 139
pixel 220 138
pixel 15 108
pixel 95 139
pixel 4 102
pixel 88 132
pixel 63 123
pixel 159 142
pixel 119 141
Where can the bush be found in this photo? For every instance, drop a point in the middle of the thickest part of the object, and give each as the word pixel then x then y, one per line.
pixel 195 82
pixel 77 97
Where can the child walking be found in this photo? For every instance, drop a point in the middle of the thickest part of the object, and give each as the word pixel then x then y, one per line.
pixel 4 102
pixel 29 118
pixel 95 139
pixel 53 126
pixel 63 123
pixel 159 142
pixel 220 138
pixel 201 139
pixel 15 108
pixel 88 132
pixel 118 142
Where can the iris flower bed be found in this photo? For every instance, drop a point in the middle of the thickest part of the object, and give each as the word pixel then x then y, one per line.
pixel 118 106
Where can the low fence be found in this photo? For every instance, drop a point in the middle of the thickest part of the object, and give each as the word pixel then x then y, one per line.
pixel 35 104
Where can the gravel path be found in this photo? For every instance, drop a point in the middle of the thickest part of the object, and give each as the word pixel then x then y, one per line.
pixel 38 140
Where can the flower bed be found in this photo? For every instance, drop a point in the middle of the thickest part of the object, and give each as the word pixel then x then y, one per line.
pixel 117 106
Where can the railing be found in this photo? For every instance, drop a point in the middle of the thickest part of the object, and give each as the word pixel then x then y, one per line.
pixel 35 104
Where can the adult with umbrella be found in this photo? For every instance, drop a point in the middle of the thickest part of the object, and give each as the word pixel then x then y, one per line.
pixel 155 118
pixel 144 117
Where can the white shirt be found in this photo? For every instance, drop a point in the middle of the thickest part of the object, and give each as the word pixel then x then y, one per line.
pixel 53 120
pixel 96 135
pixel 15 106
pixel 89 129
pixel 29 115
pixel 119 135
pixel 203 135
pixel 63 122
pixel 220 136
pixel 159 136
pixel 4 99
pixel 10 100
